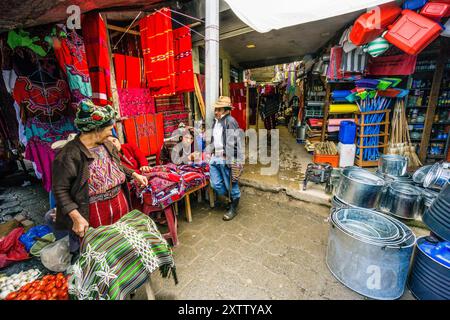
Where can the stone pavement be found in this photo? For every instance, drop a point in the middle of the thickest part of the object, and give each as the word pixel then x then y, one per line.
pixel 274 249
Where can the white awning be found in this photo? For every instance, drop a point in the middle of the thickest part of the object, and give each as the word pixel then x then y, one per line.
pixel 265 15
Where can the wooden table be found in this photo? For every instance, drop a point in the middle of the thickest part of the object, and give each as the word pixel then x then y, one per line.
pixel 187 200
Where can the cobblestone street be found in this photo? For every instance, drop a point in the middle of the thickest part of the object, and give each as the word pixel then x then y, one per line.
pixel 274 249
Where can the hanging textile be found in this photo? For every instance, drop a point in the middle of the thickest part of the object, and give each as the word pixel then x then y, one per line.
pixel 174 112
pixel 136 101
pixel 184 69
pixel 146 131
pixel 95 41
pixel 71 55
pixel 158 50
pixel 128 71
pixel 238 95
pixel 354 61
pixel 104 274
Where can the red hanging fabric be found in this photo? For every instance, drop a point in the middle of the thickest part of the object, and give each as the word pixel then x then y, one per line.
pixel 146 131
pixel 128 71
pixel 238 96
pixel 184 69
pixel 95 41
pixel 135 101
pixel 158 50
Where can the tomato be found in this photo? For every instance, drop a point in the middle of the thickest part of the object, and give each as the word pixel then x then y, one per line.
pixel 25 288
pixel 23 296
pixel 49 286
pixel 31 290
pixel 11 296
pixel 59 276
pixel 40 286
pixel 36 296
pixel 43 295
pixel 58 283
pixel 64 296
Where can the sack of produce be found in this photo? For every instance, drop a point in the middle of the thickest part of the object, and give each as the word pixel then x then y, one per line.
pixel 56 256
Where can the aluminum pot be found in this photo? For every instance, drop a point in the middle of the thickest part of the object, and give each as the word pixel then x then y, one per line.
pixel 360 188
pixel 393 165
pixel 369 252
pixel 438 176
pixel 402 200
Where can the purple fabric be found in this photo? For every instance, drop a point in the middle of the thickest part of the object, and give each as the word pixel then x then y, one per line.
pixel 42 155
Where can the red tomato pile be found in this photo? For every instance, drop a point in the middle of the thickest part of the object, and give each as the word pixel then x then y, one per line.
pixel 50 287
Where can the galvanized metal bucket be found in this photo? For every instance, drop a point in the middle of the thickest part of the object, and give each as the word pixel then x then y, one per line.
pixel 393 165
pixel 369 252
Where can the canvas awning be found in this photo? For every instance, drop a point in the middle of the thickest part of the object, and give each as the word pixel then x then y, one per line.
pixel 266 15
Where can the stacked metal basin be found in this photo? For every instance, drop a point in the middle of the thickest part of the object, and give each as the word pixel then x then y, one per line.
pixel 360 188
pixel 393 165
pixel 438 176
pixel 369 252
pixel 437 218
pixel 402 200
pixel 430 272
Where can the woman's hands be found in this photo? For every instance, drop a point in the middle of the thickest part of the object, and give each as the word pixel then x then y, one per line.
pixel 143 182
pixel 80 225
pixel 145 169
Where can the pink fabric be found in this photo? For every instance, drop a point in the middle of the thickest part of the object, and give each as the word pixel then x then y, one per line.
pixel 135 102
pixel 337 122
pixel 42 155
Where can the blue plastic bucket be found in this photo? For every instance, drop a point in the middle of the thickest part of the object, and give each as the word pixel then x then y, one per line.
pixel 347 132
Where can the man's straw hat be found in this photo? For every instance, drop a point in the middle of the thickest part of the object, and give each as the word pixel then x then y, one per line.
pixel 223 102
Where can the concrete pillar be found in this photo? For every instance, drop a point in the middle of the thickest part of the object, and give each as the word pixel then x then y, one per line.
pixel 211 58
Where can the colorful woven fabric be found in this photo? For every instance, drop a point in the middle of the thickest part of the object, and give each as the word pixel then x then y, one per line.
pixel 95 41
pixel 158 50
pixel 104 172
pixel 49 103
pixel 173 103
pixel 146 131
pixel 115 260
pixel 42 155
pixel 107 212
pixel 127 71
pixel 71 55
pixel 238 95
pixel 174 112
pixel 136 101
pixel 184 70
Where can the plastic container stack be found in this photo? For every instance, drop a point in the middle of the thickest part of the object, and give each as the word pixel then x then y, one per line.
pixel 346 146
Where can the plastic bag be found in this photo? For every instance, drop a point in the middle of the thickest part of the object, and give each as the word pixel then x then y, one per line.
pixel 28 238
pixel 11 249
pixel 56 257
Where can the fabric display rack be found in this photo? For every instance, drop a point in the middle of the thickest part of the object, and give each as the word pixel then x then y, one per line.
pixel 239 94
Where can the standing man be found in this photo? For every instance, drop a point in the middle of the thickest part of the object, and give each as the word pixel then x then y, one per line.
pixel 226 163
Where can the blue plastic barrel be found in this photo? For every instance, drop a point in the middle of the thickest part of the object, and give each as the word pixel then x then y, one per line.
pixel 347 132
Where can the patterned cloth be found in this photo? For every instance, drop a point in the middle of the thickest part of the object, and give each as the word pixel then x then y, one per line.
pixel 238 95
pixel 71 55
pixel 49 103
pixel 107 212
pixel 146 131
pixel 105 174
pixel 174 112
pixel 184 70
pixel 95 41
pixel 168 183
pixel 117 259
pixel 135 102
pixel 158 50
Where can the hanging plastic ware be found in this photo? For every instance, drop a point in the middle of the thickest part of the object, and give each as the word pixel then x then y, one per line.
pixel 377 47
pixel 371 25
pixel 436 10
pixel 412 32
pixel 414 4
pixel 430 272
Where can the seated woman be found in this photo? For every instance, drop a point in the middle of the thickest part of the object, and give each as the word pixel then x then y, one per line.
pixel 130 156
pixel 182 149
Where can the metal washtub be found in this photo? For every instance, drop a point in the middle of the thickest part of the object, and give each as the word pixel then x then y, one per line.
pixel 402 200
pixel 360 188
pixel 369 252
pixel 393 165
pixel 438 176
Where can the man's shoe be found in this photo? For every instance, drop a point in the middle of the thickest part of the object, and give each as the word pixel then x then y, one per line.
pixel 232 212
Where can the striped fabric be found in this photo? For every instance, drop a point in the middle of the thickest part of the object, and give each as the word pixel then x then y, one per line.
pixel 174 112
pixel 377 47
pixel 354 61
pixel 115 260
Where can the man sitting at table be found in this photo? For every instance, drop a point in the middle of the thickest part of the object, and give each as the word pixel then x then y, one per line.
pixel 131 156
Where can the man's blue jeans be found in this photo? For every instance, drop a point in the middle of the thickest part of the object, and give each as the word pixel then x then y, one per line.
pixel 220 178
